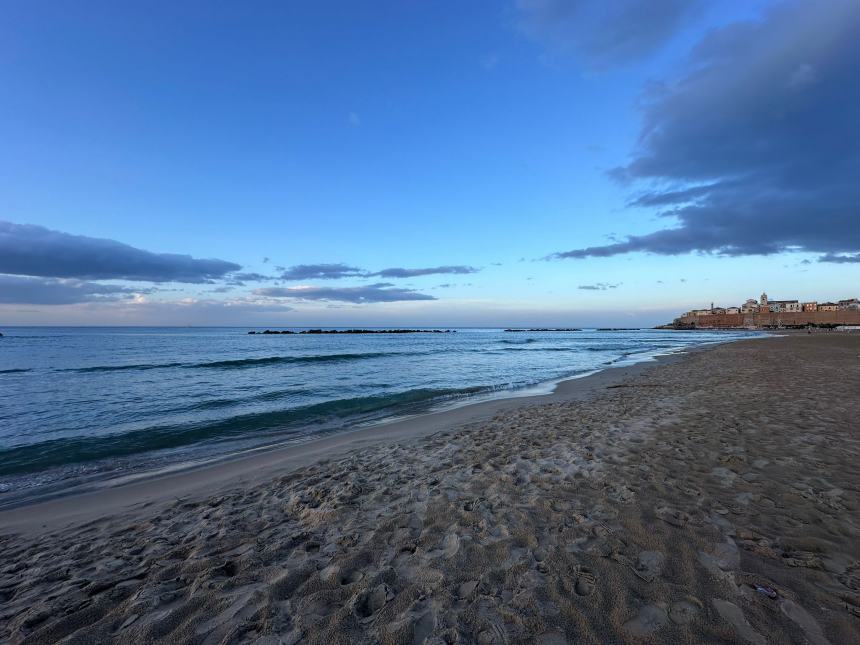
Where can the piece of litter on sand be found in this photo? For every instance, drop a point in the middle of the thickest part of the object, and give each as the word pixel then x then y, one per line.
pixel 770 592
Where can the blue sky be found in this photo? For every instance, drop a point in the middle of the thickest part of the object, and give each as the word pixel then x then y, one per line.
pixel 534 162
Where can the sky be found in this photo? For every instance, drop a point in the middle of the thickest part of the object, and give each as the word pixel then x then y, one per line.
pixel 527 162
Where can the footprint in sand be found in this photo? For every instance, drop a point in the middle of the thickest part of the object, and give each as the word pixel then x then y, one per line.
pixel 724 559
pixel 732 614
pixel 724 475
pixel 673 516
pixel 228 569
pixel 806 622
pixel 650 619
pixel 684 611
pixel 722 523
pixel 330 573
pixel 368 604
pixel 450 545
pixel 448 548
pixel 467 589
pixel 351 577
pixel 649 565
pixel 585 583
pixel 423 628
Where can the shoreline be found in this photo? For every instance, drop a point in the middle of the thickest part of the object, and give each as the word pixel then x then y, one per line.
pixel 709 497
pixel 142 490
pixel 55 446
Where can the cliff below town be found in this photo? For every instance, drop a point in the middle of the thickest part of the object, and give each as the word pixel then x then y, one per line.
pixel 768 320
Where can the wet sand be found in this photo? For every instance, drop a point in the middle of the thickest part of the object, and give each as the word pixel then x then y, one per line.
pixel 712 499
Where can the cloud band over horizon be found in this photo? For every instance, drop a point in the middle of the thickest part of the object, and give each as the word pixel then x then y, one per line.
pixel 337 271
pixel 30 250
pixel 372 293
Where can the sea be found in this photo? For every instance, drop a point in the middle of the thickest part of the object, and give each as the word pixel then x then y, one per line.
pixel 81 407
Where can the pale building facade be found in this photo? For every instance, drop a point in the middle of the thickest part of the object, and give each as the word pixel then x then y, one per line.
pixel 781 306
pixel 750 306
pixel 766 305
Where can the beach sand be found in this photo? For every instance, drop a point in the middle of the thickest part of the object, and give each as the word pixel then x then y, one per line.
pixel 711 499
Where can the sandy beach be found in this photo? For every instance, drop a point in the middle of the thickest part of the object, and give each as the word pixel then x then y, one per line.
pixel 710 498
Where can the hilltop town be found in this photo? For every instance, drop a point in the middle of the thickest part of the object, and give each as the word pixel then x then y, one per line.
pixel 766 313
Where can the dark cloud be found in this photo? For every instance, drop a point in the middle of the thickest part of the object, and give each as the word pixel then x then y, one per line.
pixel 37 251
pixel 396 272
pixel 599 286
pixel 838 259
pixel 379 292
pixel 337 271
pixel 321 272
pixel 21 290
pixel 756 149
pixel 603 34
pixel 251 277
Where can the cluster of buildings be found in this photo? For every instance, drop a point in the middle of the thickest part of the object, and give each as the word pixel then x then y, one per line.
pixel 764 305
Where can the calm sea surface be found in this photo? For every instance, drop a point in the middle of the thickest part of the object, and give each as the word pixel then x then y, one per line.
pixel 80 405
